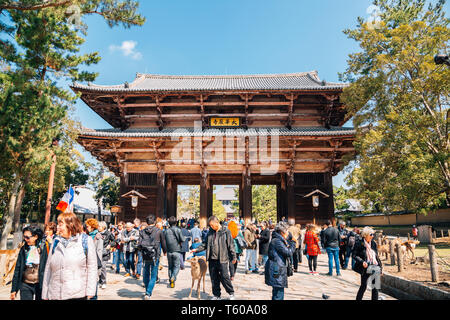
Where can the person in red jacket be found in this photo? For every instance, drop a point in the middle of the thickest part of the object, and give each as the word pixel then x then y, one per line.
pixel 312 247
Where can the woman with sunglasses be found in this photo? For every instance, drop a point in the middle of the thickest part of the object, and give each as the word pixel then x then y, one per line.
pixel 30 265
pixel 365 254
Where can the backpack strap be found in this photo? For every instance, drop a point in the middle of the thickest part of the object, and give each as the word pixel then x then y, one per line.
pixel 55 243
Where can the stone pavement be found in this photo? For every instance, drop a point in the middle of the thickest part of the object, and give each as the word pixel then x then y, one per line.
pixel 302 285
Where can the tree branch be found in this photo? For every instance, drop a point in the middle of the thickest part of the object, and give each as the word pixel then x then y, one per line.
pixel 19 6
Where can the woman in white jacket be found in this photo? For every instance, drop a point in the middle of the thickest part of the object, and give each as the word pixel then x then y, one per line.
pixel 71 269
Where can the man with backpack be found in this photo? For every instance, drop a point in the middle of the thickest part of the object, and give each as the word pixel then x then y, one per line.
pixel 174 241
pixel 151 241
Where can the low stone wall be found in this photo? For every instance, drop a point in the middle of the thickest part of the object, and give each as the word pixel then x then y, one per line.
pixel 403 289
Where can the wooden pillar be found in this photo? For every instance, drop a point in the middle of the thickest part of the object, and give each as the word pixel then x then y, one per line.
pixel 391 252
pixel 433 263
pixel 205 194
pixel 290 196
pixel 160 192
pixel 171 190
pixel 246 195
pixel 398 248
pixel 330 200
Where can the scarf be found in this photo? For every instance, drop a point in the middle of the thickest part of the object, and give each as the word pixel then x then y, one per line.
pixel 371 256
pixel 32 256
pixel 65 241
pixel 93 233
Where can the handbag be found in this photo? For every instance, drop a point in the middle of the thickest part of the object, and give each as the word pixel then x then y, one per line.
pixel 31 274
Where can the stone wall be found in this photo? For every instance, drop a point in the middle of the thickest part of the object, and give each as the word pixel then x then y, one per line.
pixel 403 289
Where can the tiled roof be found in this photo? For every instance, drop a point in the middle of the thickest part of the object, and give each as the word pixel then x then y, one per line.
pixel 151 82
pixel 190 132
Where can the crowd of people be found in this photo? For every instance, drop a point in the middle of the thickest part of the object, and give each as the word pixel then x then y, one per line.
pixel 69 260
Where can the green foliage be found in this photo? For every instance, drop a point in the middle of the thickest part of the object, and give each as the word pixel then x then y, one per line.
pixel 109 191
pixel 264 202
pixel 218 209
pixel 39 47
pixel 399 99
pixel 340 195
pixel 188 201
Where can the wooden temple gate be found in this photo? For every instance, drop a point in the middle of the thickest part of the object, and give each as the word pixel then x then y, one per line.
pixel 285 130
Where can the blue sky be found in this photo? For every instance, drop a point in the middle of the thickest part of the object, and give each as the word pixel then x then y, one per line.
pixel 224 37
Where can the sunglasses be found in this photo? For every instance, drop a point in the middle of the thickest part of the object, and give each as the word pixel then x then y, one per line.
pixel 371 234
pixel 27 237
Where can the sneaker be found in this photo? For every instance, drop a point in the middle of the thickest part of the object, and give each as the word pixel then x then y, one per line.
pixel 315 273
pixel 231 297
pixel 172 283
pixel 146 297
pixel 127 275
pixel 215 298
pixel 339 275
pixel 329 274
pixel 137 276
pixel 311 272
pixel 255 271
pixel 103 286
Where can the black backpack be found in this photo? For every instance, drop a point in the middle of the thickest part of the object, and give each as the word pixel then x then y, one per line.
pixel 148 245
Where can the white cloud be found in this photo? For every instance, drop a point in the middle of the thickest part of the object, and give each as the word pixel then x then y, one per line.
pixel 128 49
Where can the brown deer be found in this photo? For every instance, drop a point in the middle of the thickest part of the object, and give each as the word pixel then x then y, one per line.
pixel 198 271
pixel 8 258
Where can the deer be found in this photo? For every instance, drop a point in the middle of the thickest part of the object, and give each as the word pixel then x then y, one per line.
pixel 198 271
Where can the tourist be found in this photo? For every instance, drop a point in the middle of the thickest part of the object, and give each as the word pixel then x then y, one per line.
pixel 296 237
pixel 344 252
pixel 237 236
pixel 108 239
pixel 50 234
pixel 74 253
pixel 174 241
pixel 264 241
pixel 331 245
pixel 220 251
pixel 129 240
pixel 197 243
pixel 415 232
pixel 353 237
pixel 281 249
pixel 312 246
pixel 138 253
pixel 151 241
pixel 322 238
pixel 195 231
pixel 250 238
pixel 185 245
pixel 118 257
pixel 30 265
pixel 92 230
pixel 366 256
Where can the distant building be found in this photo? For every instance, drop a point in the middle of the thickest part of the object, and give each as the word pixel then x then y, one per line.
pixel 226 195
pixel 85 204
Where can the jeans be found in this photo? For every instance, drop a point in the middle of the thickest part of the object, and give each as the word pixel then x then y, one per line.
pixel 344 255
pixel 118 259
pixel 264 259
pixel 139 262
pixel 312 263
pixel 250 260
pixel 295 258
pixel 129 261
pixel 183 258
pixel 277 293
pixel 333 253
pixel 30 291
pixel 174 260
pixel 219 274
pixel 150 275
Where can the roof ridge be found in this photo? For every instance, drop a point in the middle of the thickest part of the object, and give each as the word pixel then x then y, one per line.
pixel 267 75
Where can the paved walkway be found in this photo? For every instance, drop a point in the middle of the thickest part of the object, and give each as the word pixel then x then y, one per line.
pixel 302 285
